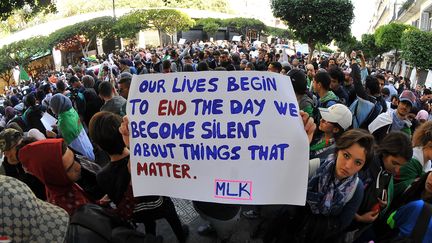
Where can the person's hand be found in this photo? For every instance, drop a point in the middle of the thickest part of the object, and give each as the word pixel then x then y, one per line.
pixel 124 130
pixel 104 200
pixel 309 125
pixel 368 217
pixel 50 134
pixel 382 203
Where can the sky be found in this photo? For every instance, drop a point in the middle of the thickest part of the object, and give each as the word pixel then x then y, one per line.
pixel 363 12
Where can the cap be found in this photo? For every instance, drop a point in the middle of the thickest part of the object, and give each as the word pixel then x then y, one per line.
pixel 9 138
pixel 125 75
pixel 337 113
pixel 409 96
pixel 26 218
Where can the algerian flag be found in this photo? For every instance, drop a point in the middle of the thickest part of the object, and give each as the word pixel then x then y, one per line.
pixel 23 74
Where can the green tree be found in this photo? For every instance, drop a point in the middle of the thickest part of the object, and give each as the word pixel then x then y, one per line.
pixel 130 24
pixel 210 25
pixel 31 7
pixel 370 49
pixel 349 44
pixel 315 21
pixel 82 34
pixel 21 52
pixel 388 37
pixel 278 32
pixel 416 49
pixel 242 25
pixel 168 21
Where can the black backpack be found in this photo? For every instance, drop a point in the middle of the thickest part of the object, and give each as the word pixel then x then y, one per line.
pixel 93 224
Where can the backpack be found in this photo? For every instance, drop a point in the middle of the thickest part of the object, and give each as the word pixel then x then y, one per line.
pixel 94 224
pixel 419 230
pixel 364 113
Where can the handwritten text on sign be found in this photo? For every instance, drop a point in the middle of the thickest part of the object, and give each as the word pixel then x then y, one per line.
pixel 215 136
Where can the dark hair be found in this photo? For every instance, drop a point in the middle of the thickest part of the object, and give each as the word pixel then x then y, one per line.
pixel 188 68
pixel 427 92
pixel 104 131
pixel 30 100
pixel 298 80
pixel 380 76
pixel 372 85
pixel 202 66
pixel 105 89
pixel 324 79
pixel 277 65
pixel 362 138
pixel 40 95
pixel 88 81
pixel 73 79
pixel 395 144
pixel 61 86
pixel 385 91
pixel 166 64
pixel 337 73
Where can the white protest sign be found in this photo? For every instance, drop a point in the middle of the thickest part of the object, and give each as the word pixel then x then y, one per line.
pixel 182 41
pixel 225 137
pixel 236 38
pixel 48 121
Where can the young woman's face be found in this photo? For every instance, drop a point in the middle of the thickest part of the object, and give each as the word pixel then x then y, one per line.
pixel 428 184
pixel 350 161
pixel 392 163
pixel 326 127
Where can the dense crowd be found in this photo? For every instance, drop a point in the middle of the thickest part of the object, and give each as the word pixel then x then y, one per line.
pixel 370 149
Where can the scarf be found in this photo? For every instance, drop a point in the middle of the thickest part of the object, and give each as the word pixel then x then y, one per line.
pixel 60 103
pixel 397 123
pixel 70 125
pixel 43 159
pixel 327 195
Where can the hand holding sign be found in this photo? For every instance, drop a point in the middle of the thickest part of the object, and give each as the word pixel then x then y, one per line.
pixel 124 130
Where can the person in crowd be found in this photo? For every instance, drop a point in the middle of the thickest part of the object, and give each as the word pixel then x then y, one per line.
pixel 54 164
pixel 274 67
pixel 420 162
pixel 11 140
pixel 334 194
pixel 33 114
pixel 124 85
pixel 299 83
pixel 93 101
pixel 124 67
pixel 321 85
pixel 391 153
pixel 336 84
pixel 166 66
pixel 70 127
pixel 26 218
pixel 155 64
pixel 335 120
pixel 396 120
pixel 115 178
pixel 112 103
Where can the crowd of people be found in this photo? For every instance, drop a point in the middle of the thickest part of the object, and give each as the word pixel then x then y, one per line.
pixel 370 136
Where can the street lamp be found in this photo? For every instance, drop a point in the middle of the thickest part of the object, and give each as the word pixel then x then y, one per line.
pixel 114 10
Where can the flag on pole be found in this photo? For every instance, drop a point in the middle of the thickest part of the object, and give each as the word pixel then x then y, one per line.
pixel 23 74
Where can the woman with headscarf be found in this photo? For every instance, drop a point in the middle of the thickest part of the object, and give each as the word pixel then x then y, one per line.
pixel 70 127
pixel 54 164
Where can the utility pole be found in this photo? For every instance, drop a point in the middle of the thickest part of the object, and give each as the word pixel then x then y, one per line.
pixel 114 16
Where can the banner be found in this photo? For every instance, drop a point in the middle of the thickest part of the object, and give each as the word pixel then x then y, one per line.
pixel 225 137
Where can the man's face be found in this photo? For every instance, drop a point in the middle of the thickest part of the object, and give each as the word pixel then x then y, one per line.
pixel 403 108
pixel 334 84
pixel 381 83
pixel 295 62
pixel 223 58
pixel 123 90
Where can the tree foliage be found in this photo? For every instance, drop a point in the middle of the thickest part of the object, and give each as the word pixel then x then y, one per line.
pixel 210 25
pixel 369 48
pixel 416 48
pixel 130 24
pixel 315 21
pixel 31 7
pixel 280 33
pixel 242 25
pixel 388 37
pixel 82 33
pixel 349 44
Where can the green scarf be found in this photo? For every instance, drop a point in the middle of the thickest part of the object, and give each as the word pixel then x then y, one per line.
pixel 69 125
